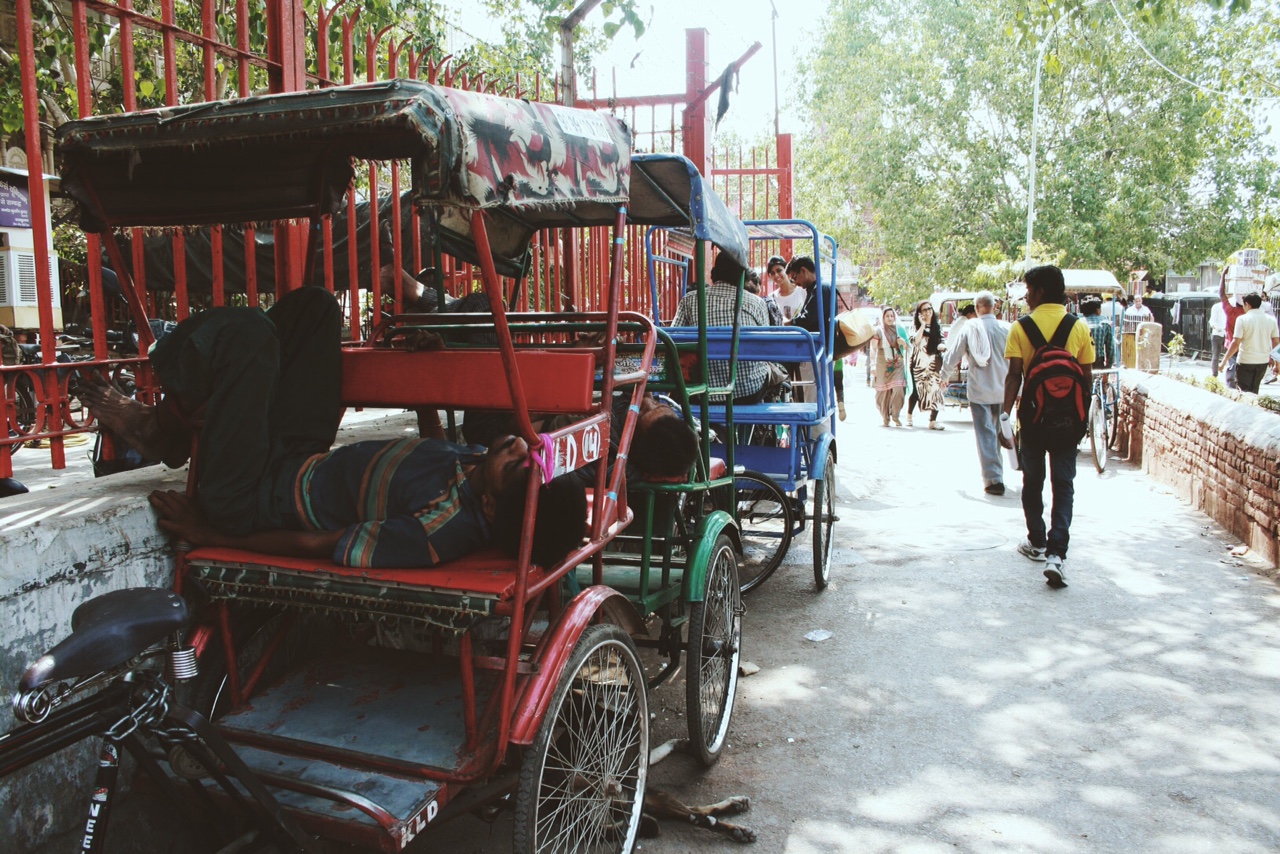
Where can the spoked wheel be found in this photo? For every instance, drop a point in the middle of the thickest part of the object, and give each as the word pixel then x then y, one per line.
pixel 582 781
pixel 824 521
pixel 25 410
pixel 1098 438
pixel 1111 397
pixel 715 647
pixel 764 517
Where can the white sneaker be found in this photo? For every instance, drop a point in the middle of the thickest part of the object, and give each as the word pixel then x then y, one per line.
pixel 909 424
pixel 934 425
pixel 1054 574
pixel 1025 548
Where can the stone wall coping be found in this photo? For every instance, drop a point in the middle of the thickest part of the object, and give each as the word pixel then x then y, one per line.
pixel 1250 424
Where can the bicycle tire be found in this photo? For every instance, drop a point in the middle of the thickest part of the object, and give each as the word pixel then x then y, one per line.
pixel 765 520
pixel 1098 439
pixel 824 521
pixel 1112 401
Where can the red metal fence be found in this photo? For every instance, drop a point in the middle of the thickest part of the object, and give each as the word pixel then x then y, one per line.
pixel 229 50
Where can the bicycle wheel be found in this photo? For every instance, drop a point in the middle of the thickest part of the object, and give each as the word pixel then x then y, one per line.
pixel 24 399
pixel 1111 399
pixel 582 780
pixel 1098 432
pixel 715 646
pixel 824 520
pixel 764 519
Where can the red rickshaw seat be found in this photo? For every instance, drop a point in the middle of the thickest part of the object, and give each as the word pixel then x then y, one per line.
pixel 453 595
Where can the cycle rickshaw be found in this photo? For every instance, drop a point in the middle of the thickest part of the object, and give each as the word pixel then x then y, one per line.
pixel 782 449
pixel 364 705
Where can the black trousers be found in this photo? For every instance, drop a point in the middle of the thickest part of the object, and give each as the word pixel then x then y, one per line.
pixel 268 387
pixel 1250 376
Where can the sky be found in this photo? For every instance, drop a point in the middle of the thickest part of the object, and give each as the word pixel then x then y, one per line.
pixel 654 64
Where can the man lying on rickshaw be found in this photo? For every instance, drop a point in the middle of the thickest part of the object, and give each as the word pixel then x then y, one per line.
pixel 267 386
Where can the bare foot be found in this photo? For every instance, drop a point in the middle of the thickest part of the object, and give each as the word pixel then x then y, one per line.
pixel 137 423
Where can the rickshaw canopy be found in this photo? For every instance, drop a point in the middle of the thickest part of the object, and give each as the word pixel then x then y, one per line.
pixel 668 190
pixel 291 155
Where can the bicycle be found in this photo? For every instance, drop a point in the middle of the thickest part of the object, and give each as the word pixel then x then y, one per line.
pixel 102 681
pixel 1104 416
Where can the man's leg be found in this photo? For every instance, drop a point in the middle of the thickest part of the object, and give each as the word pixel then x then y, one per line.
pixel 1215 352
pixel 986 418
pixel 1230 373
pixel 1033 471
pixel 1062 476
pixel 1249 377
pixel 223 364
pixel 307 406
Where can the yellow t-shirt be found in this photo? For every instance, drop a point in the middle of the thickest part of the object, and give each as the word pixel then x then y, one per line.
pixel 1047 317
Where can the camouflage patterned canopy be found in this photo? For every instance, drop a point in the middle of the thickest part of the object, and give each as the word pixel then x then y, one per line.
pixel 287 156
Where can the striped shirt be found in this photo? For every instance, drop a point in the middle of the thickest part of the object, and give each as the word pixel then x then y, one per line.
pixel 403 503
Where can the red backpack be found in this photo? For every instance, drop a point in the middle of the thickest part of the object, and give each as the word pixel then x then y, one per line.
pixel 1055 402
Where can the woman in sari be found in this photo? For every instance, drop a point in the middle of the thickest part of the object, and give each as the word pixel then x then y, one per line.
pixel 926 364
pixel 891 354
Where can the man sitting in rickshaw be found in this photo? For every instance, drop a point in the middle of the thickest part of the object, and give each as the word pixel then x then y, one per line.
pixel 267 387
pixel 754 379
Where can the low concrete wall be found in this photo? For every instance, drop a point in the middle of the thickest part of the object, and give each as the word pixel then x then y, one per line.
pixel 58 548
pixel 1222 456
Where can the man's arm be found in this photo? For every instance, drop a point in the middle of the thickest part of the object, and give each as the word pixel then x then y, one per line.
pixel 181 517
pixel 956 353
pixel 1012 384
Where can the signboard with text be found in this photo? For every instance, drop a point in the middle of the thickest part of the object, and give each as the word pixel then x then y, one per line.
pixel 15 203
pixel 576 449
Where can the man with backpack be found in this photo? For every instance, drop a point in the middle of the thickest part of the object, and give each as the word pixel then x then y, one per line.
pixel 1051 358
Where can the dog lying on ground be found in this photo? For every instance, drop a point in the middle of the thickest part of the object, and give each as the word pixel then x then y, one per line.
pixel 662 805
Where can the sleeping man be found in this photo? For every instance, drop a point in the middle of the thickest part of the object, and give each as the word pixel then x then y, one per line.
pixel 267 387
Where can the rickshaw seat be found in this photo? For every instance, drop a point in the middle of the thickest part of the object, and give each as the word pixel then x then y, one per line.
pixel 719 468
pixel 794 413
pixel 453 595
pixel 554 381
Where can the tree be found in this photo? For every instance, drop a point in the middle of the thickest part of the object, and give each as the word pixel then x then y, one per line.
pixel 920 115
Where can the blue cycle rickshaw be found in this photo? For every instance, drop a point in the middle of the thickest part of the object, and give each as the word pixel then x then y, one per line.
pixel 775 448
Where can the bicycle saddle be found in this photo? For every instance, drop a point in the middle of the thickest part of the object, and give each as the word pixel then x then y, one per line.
pixel 29 349
pixel 107 631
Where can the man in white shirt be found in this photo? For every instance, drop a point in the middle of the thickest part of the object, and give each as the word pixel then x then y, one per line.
pixel 1136 314
pixel 983 340
pixel 1256 334
pixel 1217 335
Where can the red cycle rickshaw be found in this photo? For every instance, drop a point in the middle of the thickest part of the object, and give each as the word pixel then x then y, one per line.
pixel 368 704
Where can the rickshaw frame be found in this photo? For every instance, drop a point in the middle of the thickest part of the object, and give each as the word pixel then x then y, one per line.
pixel 398 120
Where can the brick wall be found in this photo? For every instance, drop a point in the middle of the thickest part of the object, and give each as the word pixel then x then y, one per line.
pixel 1222 456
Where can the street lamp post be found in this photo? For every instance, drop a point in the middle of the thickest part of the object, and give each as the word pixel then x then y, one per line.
pixel 1035 115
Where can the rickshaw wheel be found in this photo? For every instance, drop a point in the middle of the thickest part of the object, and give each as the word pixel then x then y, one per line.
pixel 582 781
pixel 824 520
pixel 715 646
pixel 764 517
pixel 1098 439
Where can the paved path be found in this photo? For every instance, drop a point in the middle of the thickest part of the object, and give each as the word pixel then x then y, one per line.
pixel 962 705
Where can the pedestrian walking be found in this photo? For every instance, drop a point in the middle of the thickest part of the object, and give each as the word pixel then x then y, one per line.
pixel 926 364
pixel 982 341
pixel 1053 351
pixel 891 355
pixel 1255 336
pixel 1232 308
pixel 1217 336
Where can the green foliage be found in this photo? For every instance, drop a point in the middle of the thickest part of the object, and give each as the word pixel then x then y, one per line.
pixel 1177 345
pixel 919 116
